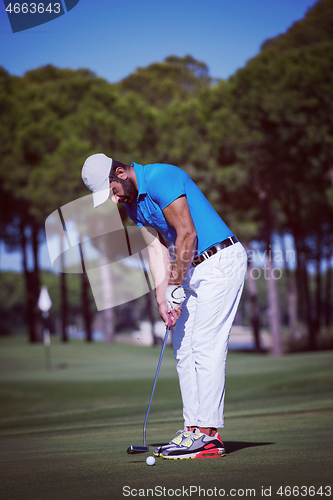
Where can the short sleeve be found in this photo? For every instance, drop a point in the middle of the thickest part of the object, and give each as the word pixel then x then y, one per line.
pixel 166 184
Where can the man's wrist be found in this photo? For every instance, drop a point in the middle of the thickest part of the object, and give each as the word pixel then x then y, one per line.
pixel 176 276
pixel 160 298
pixel 160 302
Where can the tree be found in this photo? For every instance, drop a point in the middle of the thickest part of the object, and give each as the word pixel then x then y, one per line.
pixel 285 101
pixel 159 84
pixel 316 27
pixel 54 119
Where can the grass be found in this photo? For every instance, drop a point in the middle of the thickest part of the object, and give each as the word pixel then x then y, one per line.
pixel 64 432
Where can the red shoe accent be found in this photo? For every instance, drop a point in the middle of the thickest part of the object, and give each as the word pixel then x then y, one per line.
pixel 208 454
pixel 209 445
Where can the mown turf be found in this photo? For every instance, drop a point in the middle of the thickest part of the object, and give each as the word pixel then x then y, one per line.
pixel 64 432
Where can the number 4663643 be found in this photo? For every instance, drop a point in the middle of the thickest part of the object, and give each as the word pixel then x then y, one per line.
pixel 304 491
pixel 33 8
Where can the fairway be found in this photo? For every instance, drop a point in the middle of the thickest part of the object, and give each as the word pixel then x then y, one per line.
pixel 64 432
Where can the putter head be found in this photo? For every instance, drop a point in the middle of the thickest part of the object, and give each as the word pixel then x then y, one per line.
pixel 137 449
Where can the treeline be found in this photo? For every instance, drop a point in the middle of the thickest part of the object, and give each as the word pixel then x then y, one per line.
pixel 259 145
pixel 13 318
pixel 126 317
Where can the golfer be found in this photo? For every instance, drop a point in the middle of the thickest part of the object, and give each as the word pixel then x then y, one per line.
pixel 201 284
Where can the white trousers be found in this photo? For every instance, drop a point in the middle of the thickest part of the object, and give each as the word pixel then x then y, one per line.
pixel 213 290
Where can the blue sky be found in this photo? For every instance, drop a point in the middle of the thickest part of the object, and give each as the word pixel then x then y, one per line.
pixel 113 38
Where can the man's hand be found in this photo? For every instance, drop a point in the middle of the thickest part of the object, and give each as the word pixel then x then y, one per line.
pixel 163 309
pixel 174 296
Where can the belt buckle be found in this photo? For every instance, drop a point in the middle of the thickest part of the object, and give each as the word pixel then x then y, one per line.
pixel 205 255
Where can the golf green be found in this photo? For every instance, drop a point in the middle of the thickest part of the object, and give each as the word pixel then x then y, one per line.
pixel 64 432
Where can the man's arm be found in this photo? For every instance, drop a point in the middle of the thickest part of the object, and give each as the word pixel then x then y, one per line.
pixel 160 268
pixel 178 216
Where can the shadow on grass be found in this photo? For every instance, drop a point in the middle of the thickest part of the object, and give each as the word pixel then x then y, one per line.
pixel 231 446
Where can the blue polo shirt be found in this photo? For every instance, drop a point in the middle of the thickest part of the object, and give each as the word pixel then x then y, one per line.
pixel 159 185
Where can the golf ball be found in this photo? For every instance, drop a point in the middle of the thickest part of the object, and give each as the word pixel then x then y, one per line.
pixel 150 460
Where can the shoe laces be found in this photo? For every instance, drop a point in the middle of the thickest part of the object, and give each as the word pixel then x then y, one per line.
pixel 191 436
pixel 180 435
pixel 183 431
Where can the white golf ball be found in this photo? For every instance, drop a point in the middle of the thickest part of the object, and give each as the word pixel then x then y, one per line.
pixel 150 460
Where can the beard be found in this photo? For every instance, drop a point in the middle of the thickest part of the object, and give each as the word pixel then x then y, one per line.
pixel 130 191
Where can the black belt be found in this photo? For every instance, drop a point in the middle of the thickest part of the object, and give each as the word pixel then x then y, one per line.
pixel 213 250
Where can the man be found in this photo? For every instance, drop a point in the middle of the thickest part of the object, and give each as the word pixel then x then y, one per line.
pixel 201 285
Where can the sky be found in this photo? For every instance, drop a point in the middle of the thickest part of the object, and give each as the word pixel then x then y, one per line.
pixel 114 37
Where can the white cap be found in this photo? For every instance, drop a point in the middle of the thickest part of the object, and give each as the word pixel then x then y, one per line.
pixel 95 175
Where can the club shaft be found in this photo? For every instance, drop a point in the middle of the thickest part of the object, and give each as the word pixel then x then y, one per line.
pixel 153 389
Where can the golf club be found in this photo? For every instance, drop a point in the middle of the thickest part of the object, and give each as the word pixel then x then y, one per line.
pixel 145 448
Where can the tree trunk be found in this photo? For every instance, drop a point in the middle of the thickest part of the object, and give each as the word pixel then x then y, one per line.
pixel 304 292
pixel 107 290
pixel 291 294
pixel 272 293
pixel 299 285
pixel 274 309
pixel 36 286
pixel 328 292
pixel 85 299
pixel 109 320
pixel 292 305
pixel 23 243
pixel 32 285
pixel 308 303
pixel 63 294
pixel 86 307
pixel 255 315
pixel 317 322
